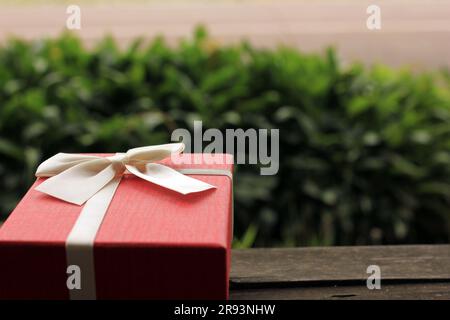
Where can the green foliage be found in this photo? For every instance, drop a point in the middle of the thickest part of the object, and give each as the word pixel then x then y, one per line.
pixel 248 238
pixel 364 153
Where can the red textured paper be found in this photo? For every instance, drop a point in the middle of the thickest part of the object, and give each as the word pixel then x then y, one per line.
pixel 153 243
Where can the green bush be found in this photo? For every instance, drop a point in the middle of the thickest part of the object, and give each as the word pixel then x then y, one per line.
pixel 364 153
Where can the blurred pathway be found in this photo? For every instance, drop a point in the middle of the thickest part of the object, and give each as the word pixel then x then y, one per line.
pixel 413 32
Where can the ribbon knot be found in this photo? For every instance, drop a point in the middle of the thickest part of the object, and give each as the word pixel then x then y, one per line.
pixel 119 162
pixel 75 178
pixel 119 158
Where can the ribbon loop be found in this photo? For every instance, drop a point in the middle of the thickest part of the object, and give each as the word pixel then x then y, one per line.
pixel 76 178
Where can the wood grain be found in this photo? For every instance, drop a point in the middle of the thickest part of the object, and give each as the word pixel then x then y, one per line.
pixel 340 263
pixel 407 272
pixel 414 291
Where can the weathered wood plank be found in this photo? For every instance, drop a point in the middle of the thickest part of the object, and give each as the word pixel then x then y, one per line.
pixel 429 291
pixel 263 267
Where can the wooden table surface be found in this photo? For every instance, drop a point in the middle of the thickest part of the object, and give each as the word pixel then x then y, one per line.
pixel 407 272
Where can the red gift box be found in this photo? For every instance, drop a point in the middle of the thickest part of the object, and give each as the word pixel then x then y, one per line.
pixel 153 243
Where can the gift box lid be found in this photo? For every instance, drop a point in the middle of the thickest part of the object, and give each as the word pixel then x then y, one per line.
pixel 141 215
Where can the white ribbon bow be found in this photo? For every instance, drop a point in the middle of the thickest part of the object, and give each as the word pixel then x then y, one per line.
pixel 75 178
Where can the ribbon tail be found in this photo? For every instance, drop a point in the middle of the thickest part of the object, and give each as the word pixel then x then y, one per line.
pixel 79 183
pixel 170 179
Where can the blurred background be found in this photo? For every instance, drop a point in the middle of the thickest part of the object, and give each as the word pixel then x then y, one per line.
pixel 364 115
